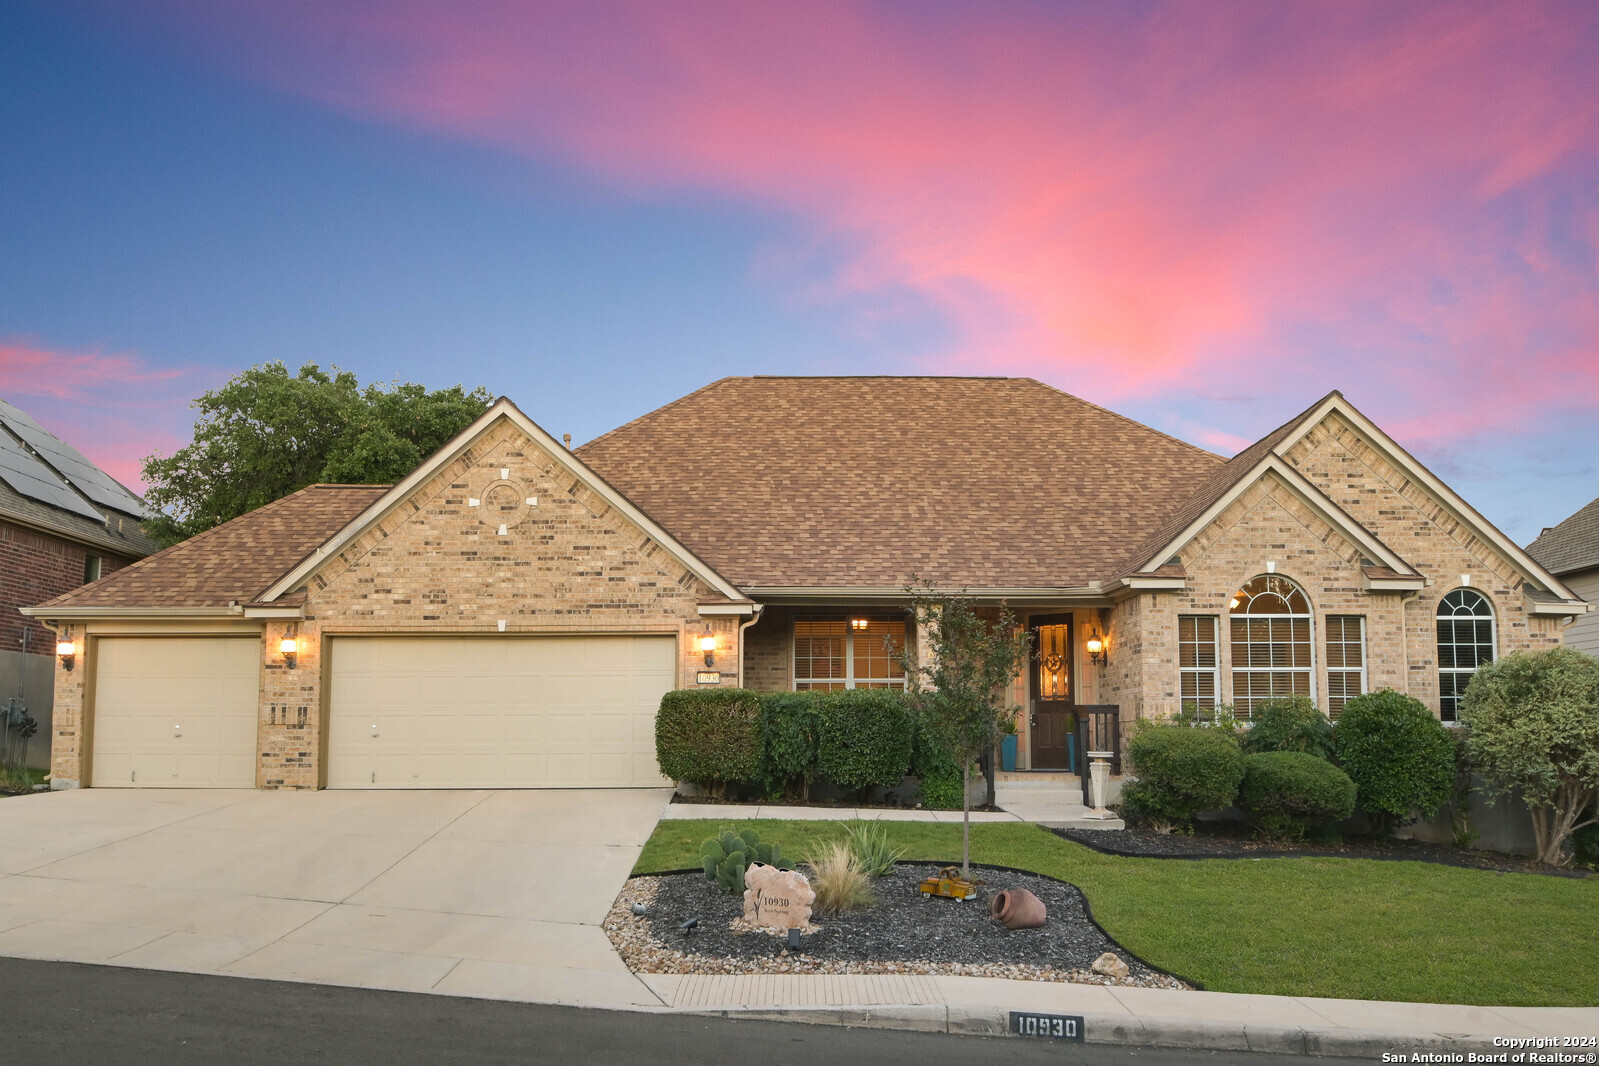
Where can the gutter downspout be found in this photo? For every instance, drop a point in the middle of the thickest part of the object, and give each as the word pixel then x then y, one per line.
pixel 1404 634
pixel 742 626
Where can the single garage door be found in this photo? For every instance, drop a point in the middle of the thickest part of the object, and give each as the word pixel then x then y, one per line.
pixel 175 712
pixel 496 712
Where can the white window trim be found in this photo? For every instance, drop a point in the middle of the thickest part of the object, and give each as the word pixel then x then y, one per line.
pixel 1365 658
pixel 1233 670
pixel 1213 671
pixel 1493 640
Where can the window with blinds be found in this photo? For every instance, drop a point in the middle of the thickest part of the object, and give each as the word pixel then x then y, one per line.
pixel 1198 661
pixel 843 653
pixel 1271 643
pixel 1346 660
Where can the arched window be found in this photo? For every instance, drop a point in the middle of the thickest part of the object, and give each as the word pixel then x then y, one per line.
pixel 1465 642
pixel 1271 641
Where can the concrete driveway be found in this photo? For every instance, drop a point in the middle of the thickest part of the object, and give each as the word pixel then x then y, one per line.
pixel 494 893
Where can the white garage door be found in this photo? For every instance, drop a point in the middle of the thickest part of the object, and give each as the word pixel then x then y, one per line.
pixel 175 712
pixel 496 712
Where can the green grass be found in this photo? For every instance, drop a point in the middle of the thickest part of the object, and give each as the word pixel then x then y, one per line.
pixel 13 784
pixel 1343 928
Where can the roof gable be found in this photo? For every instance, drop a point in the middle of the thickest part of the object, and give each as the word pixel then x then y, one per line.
pixel 501 411
pixel 1217 498
pixel 1335 405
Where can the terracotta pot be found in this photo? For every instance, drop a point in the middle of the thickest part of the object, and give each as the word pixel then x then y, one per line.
pixel 1017 908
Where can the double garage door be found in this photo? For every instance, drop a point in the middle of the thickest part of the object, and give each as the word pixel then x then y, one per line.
pixel 404 712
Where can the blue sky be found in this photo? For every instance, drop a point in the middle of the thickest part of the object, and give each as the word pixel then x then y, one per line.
pixel 597 213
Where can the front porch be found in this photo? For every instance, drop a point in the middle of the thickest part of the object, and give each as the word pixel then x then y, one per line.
pixel 1065 693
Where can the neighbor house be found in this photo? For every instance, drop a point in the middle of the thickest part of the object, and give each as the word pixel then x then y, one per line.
pixel 1570 551
pixel 63 521
pixel 511 613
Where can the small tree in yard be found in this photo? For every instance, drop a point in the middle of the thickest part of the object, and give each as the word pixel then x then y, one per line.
pixel 1534 726
pixel 958 682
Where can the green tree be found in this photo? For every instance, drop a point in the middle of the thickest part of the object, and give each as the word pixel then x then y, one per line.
pixel 958 679
pixel 267 433
pixel 1533 721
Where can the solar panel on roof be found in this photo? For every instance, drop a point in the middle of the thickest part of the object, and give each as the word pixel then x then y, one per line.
pixel 73 464
pixel 33 479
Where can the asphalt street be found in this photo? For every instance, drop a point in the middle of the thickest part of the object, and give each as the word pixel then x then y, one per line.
pixel 70 1013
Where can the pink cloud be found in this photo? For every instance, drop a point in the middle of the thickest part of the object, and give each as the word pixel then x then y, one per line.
pixel 113 408
pixel 1122 199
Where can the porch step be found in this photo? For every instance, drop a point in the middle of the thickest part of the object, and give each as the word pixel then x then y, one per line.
pixel 1038 788
pixel 1051 798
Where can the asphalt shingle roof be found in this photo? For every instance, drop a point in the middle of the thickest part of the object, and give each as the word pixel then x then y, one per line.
pixel 864 481
pixel 1572 545
pixel 236 561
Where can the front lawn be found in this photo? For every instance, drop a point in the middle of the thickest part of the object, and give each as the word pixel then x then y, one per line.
pixel 1343 928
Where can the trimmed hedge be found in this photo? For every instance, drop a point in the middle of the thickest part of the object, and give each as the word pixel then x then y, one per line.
pixel 790 729
pixel 939 775
pixel 709 737
pixel 1181 771
pixel 865 737
pixel 1290 723
pixel 1400 757
pixel 1289 793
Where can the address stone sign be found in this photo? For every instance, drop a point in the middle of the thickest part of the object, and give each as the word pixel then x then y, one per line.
pixel 777 899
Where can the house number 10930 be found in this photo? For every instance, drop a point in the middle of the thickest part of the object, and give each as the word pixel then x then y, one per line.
pixel 1047 1026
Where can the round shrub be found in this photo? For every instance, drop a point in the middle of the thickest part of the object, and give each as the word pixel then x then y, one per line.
pixel 1290 723
pixel 1400 757
pixel 1181 771
pixel 1290 793
pixel 709 737
pixel 865 737
pixel 790 728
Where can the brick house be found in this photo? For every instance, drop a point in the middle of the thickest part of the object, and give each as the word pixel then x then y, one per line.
pixel 510 613
pixel 63 522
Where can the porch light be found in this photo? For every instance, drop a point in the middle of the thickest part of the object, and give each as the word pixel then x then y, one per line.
pixel 1232 604
pixel 1096 649
pixel 68 652
pixel 708 646
pixel 859 624
pixel 291 651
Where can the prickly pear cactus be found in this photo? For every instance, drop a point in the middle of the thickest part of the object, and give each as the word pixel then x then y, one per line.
pixel 725 857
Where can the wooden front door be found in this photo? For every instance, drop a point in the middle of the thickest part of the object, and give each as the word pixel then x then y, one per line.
pixel 1051 692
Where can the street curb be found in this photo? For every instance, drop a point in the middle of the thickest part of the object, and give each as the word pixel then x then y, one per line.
pixel 1121 1030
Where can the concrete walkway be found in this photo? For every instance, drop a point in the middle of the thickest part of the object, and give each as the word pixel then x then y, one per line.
pixel 501 895
pixel 735 812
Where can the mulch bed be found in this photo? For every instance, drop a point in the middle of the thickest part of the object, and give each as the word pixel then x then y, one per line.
pixel 902 933
pixel 1229 841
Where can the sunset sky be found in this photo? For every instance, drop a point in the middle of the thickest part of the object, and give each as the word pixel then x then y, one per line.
pixel 1202 215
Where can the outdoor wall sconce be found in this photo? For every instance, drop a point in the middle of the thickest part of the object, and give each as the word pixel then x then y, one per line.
pixel 860 624
pixel 290 649
pixel 68 652
pixel 708 646
pixel 1097 653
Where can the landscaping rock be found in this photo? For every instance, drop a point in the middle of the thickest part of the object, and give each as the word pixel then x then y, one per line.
pixel 776 899
pixel 1109 965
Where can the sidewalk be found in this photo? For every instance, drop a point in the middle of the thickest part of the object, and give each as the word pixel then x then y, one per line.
pixel 733 812
pixel 1139 1017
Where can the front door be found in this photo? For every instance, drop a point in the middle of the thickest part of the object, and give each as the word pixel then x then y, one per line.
pixel 1051 692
